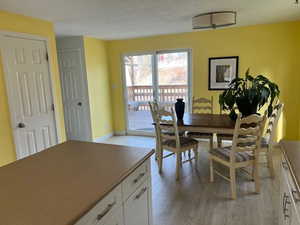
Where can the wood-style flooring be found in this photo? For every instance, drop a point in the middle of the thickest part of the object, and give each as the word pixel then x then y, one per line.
pixel 195 201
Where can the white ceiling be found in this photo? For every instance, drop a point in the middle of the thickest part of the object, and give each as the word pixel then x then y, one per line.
pixel 120 19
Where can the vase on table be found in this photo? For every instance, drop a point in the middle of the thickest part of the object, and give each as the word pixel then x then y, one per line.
pixel 179 108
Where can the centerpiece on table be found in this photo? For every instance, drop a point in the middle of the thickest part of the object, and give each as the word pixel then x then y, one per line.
pixel 249 95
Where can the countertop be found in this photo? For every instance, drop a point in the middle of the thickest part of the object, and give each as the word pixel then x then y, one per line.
pixel 292 154
pixel 59 185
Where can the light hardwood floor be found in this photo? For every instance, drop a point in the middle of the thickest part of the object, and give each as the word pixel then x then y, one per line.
pixel 195 201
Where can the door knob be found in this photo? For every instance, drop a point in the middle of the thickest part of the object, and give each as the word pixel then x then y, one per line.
pixel 21 125
pixel 79 104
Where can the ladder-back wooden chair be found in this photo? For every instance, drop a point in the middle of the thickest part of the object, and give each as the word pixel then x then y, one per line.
pixel 167 123
pixel 244 151
pixel 268 140
pixel 202 106
pixel 154 107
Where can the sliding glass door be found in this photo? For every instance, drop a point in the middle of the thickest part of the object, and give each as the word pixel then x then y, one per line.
pixel 163 76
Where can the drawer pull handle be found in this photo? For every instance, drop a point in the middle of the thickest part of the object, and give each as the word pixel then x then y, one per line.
pixel 141 193
pixel 294 192
pixel 105 211
pixel 138 178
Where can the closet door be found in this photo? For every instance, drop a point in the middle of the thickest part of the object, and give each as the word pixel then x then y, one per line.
pixel 74 91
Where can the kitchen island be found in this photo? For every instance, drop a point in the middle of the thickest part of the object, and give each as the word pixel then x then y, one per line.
pixel 78 183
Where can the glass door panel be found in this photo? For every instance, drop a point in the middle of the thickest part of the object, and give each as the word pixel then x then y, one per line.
pixel 139 90
pixel 173 77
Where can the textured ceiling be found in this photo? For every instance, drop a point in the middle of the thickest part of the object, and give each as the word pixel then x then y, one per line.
pixel 120 19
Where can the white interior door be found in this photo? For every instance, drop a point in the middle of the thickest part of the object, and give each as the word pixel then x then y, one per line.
pixel 75 98
pixel 30 95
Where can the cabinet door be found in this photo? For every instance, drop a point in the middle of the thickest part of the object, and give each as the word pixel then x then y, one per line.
pixel 136 208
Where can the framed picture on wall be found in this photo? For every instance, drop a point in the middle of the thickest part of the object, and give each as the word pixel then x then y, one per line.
pixel 222 70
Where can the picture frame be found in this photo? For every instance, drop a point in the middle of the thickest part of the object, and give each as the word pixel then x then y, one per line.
pixel 222 70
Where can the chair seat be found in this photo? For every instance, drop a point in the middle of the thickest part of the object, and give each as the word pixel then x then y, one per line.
pixel 199 134
pixel 224 153
pixel 184 141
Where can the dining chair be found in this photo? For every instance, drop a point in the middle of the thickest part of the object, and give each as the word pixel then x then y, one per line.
pixel 154 107
pixel 244 151
pixel 202 106
pixel 268 139
pixel 167 123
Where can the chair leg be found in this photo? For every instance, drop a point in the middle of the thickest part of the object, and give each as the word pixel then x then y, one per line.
pixel 160 159
pixel 196 154
pixel 256 177
pixel 270 163
pixel 156 151
pixel 211 166
pixel 219 141
pixel 233 182
pixel 178 164
pixel 189 154
pixel 211 143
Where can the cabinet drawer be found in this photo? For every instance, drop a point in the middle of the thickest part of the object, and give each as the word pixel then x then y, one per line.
pixel 136 208
pixel 103 209
pixel 135 179
pixel 115 219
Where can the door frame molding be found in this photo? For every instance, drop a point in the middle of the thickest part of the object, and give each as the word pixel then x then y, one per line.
pixel 154 67
pixel 53 88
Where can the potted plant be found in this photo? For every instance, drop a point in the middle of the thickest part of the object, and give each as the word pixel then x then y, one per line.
pixel 249 95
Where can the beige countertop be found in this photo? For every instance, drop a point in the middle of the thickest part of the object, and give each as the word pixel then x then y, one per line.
pixel 59 185
pixel 292 154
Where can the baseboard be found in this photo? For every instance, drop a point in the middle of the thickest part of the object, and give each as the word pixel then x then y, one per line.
pixel 120 133
pixel 103 138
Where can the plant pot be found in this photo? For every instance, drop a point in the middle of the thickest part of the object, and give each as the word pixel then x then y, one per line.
pixel 179 108
pixel 246 107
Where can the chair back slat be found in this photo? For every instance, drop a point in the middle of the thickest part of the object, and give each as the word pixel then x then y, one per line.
pixel 246 139
pixel 248 131
pixel 247 135
pixel 202 105
pixel 167 123
pixel 273 122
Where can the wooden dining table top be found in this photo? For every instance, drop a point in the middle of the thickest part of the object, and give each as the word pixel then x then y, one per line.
pixel 218 123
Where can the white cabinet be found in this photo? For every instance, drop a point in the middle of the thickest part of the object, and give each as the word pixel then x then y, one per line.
pixel 289 206
pixel 130 203
pixel 137 207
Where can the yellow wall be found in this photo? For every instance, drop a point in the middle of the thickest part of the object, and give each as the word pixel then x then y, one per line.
pixel 17 23
pixel 267 49
pixel 98 86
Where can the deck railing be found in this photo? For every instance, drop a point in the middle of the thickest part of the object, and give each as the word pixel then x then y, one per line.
pixel 139 96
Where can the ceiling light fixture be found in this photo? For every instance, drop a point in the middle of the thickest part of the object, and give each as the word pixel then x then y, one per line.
pixel 214 20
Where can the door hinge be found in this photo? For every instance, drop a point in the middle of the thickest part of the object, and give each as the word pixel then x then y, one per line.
pixel 47 57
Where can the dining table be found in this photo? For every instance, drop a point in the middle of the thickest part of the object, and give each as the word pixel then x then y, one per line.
pixel 206 123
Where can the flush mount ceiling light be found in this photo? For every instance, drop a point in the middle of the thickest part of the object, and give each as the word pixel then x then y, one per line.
pixel 214 20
